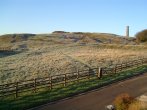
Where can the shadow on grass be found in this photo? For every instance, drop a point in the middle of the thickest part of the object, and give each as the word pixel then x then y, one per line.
pixel 5 53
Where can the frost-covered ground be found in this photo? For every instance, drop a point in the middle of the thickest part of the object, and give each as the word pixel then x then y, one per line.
pixel 41 59
pixel 50 54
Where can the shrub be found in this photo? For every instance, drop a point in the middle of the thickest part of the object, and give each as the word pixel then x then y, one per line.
pixel 123 101
pixel 136 106
pixel 141 36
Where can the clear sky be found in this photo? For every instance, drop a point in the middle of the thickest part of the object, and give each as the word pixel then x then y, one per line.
pixel 45 16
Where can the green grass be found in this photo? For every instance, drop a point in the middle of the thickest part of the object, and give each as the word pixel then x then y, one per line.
pixel 30 99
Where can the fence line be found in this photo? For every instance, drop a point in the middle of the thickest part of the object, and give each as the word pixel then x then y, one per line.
pixel 5 49
pixel 63 79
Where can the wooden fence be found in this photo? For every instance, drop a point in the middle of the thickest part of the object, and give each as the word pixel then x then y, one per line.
pixel 64 79
pixel 5 49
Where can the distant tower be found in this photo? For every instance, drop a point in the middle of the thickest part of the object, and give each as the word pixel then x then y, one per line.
pixel 127 31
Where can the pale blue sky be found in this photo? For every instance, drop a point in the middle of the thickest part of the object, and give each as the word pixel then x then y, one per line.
pixel 45 16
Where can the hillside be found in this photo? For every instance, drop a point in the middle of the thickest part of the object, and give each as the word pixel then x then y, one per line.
pixel 59 37
pixel 40 55
pixel 11 38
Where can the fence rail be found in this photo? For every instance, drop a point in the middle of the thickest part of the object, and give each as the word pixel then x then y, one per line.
pixel 63 79
pixel 5 49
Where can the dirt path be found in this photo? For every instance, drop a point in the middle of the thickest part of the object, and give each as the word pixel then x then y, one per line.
pixel 96 100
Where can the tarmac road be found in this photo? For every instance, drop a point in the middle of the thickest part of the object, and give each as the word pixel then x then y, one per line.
pixel 98 99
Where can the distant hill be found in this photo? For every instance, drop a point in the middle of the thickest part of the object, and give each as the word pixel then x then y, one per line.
pixel 81 37
pixel 11 38
pixel 62 37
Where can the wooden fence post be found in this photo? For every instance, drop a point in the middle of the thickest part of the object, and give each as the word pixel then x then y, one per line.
pixel 126 65
pixel 138 63
pixel 77 75
pixel 89 71
pixel 97 72
pixel 121 67
pixel 65 80
pixel 16 90
pixel 115 69
pixel 100 72
pixel 50 82
pixel 141 61
pixel 132 65
pixel 35 85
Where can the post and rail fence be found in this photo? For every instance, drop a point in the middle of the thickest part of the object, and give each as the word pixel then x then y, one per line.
pixel 51 82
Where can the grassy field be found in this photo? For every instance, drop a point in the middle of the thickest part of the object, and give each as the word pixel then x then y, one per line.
pixel 50 54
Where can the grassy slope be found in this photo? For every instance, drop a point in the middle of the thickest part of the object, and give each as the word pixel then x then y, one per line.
pixel 48 54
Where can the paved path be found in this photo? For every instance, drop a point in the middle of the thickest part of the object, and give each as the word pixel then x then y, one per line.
pixel 96 100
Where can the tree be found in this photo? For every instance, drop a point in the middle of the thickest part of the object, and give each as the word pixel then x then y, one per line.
pixel 142 36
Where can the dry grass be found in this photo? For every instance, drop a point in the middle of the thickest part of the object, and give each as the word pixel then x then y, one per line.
pixel 40 58
pixel 138 105
pixel 126 102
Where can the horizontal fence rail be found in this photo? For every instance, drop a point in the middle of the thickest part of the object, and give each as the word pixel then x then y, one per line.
pixel 63 79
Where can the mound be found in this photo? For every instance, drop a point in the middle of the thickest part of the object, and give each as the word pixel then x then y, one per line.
pixel 11 38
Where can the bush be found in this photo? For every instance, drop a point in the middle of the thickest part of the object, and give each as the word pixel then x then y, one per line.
pixel 123 101
pixel 136 106
pixel 141 36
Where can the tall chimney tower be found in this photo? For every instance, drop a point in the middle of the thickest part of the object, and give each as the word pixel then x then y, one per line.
pixel 127 31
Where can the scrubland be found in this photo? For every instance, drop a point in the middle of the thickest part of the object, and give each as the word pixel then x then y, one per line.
pixel 43 56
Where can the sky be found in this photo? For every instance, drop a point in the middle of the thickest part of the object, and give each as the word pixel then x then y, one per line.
pixel 46 16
